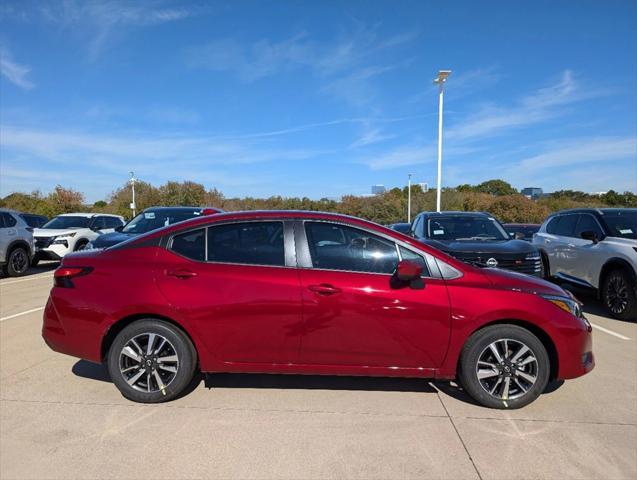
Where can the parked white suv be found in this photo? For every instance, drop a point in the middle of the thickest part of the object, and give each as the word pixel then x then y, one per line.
pixel 71 232
pixel 597 249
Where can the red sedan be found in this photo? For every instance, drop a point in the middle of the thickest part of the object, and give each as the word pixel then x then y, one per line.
pixel 309 293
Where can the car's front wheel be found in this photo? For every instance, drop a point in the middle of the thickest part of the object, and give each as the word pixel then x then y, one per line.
pixel 620 295
pixel 504 366
pixel 151 361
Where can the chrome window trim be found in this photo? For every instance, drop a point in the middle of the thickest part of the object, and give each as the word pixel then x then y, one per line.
pixel 207 226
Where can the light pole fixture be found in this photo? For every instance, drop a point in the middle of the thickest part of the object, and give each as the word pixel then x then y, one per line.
pixel 132 184
pixel 409 197
pixel 440 80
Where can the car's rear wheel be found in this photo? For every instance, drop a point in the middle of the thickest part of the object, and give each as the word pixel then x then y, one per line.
pixel 17 262
pixel 80 245
pixel 504 366
pixel 151 361
pixel 619 295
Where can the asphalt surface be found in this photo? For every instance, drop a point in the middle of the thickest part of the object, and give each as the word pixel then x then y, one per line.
pixel 62 418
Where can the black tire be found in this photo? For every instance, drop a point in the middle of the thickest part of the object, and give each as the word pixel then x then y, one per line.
pixel 177 343
pixel 17 262
pixel 478 346
pixel 35 260
pixel 80 245
pixel 619 294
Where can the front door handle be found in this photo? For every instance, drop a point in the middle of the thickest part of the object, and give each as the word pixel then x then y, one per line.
pixel 181 273
pixel 324 289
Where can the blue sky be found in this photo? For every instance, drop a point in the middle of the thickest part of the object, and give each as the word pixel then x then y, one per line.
pixel 316 98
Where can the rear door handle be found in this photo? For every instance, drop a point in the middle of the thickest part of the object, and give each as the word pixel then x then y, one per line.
pixel 324 289
pixel 181 273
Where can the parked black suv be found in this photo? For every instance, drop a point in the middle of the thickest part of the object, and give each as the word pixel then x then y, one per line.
pixel 478 239
pixel 150 219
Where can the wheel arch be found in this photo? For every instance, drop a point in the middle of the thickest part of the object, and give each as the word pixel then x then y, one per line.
pixel 112 332
pixel 19 243
pixel 539 332
pixel 612 264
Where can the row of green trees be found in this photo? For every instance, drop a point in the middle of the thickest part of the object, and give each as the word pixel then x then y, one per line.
pixel 494 196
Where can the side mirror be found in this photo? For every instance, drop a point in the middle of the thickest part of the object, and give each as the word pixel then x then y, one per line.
pixel 119 228
pixel 590 235
pixel 408 273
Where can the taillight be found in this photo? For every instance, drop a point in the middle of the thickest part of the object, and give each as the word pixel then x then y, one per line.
pixel 63 276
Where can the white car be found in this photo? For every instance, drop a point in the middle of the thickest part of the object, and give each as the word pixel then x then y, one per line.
pixel 71 232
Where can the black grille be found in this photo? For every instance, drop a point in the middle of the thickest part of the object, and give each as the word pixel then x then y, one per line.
pixel 531 264
pixel 42 242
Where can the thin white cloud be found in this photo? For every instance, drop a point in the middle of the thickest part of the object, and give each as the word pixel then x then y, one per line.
pixel 541 105
pixel 581 151
pixel 13 71
pixel 371 137
pixel 146 152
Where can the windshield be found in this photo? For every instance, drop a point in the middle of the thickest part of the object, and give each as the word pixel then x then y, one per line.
pixel 622 224
pixel 465 228
pixel 152 220
pixel 71 221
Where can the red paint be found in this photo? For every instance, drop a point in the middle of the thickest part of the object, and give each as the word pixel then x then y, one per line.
pixel 300 320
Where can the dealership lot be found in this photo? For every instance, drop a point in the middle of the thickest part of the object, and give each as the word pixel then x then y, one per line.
pixel 62 418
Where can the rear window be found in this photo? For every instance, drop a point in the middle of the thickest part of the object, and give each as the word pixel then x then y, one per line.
pixel 250 243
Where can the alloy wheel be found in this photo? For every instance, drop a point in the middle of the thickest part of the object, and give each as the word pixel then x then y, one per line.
pixel 507 369
pixel 148 362
pixel 19 261
pixel 617 294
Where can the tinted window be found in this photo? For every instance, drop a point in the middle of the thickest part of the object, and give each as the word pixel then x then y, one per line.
pixel 418 230
pixel 337 247
pixel 414 257
pixel 191 244
pixel 8 220
pixel 468 227
pixel 33 220
pixel 566 227
pixel 253 243
pixel 98 223
pixel 587 223
pixel 551 227
pixel 622 224
pixel 112 222
pixel 70 221
pixel 153 219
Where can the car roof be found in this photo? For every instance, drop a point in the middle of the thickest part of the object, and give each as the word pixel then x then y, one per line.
pixel 455 213
pixel 179 207
pixel 84 214
pixel 599 211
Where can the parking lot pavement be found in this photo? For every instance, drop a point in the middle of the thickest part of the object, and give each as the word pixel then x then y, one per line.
pixel 62 418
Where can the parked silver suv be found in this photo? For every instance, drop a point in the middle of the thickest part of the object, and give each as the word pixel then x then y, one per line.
pixel 597 249
pixel 16 243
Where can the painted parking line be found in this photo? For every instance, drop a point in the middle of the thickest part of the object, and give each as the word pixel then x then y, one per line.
pixel 9 317
pixel 34 277
pixel 610 332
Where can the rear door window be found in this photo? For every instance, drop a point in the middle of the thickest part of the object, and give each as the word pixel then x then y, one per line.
pixel 250 243
pixel 566 227
pixel 191 244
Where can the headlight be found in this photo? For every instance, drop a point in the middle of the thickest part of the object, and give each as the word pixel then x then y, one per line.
pixel 568 304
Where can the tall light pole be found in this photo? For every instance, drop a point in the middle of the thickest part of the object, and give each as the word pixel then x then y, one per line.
pixel 440 80
pixel 409 197
pixel 132 184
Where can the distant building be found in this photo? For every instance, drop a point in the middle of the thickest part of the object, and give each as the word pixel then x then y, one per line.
pixel 424 187
pixel 378 189
pixel 532 192
pixel 599 194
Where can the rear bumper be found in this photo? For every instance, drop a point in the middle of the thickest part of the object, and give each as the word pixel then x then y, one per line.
pixel 72 336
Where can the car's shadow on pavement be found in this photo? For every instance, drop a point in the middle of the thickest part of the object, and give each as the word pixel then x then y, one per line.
pixel 592 304
pixel 41 268
pixel 99 372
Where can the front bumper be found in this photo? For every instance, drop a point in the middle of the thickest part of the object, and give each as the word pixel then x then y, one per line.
pixel 576 356
pixel 53 252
